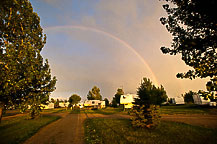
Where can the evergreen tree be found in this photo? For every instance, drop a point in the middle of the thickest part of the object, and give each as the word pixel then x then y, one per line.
pixel 146 110
pixel 25 78
pixel 94 94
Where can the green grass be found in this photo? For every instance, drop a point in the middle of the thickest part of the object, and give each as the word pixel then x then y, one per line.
pixel 16 130
pixel 120 131
pixel 187 109
pixel 105 111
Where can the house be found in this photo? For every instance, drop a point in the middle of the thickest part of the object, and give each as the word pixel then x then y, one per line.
pixel 94 104
pixel 127 100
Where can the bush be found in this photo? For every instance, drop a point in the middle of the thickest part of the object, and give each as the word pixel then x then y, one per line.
pixel 145 117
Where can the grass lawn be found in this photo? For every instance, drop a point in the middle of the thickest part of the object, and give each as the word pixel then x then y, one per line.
pixel 17 130
pixel 120 131
pixel 105 111
pixel 187 109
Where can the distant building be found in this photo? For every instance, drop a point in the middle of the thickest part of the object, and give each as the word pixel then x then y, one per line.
pixel 179 100
pixel 94 104
pixel 127 100
pixel 63 104
pixel 199 100
pixel 49 106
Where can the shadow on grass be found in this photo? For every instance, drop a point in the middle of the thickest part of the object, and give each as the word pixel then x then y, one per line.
pixel 120 131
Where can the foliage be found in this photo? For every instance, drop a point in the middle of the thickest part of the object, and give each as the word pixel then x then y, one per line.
pixel 119 131
pixel 150 94
pixel 25 78
pixel 192 24
pixel 206 95
pixel 118 95
pixel 94 94
pixel 145 117
pixel 114 103
pixel 74 99
pixel 56 103
pixel 188 97
pixel 106 102
pixel 146 112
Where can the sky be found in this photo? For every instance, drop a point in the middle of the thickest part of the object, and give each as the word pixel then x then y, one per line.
pixel 110 44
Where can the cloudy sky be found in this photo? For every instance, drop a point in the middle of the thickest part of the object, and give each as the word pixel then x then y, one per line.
pixel 111 44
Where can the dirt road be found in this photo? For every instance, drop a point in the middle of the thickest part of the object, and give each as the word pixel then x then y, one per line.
pixel 67 130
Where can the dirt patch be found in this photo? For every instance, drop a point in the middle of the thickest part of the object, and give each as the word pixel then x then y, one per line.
pixel 68 130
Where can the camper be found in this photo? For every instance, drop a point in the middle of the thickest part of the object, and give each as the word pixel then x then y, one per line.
pixel 127 100
pixel 179 100
pixel 199 100
pixel 49 106
pixel 96 104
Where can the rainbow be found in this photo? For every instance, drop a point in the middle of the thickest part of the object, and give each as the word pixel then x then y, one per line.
pixel 84 28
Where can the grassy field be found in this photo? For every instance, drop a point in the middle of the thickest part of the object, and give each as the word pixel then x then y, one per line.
pixel 187 109
pixel 17 130
pixel 105 111
pixel 120 131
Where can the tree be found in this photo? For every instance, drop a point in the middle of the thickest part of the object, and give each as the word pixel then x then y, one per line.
pixel 118 95
pixel 188 97
pixel 94 94
pixel 114 103
pixel 74 99
pixel 106 102
pixel 25 78
pixel 192 24
pixel 150 94
pixel 146 110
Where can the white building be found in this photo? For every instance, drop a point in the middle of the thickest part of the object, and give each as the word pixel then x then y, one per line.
pixel 179 100
pixel 127 100
pixel 200 100
pixel 49 106
pixel 94 104
pixel 63 104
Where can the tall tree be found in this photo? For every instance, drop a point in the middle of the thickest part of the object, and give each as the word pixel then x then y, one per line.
pixel 94 94
pixel 25 78
pixel 192 24
pixel 118 95
pixel 74 99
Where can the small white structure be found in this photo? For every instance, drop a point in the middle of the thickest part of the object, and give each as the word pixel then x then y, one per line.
pixel 49 106
pixel 200 100
pixel 127 100
pixel 179 100
pixel 94 104
pixel 63 104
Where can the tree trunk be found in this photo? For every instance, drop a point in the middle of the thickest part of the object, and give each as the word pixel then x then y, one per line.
pixel 1 111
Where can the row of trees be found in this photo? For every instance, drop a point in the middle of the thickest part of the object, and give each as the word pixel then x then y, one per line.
pixel 25 78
